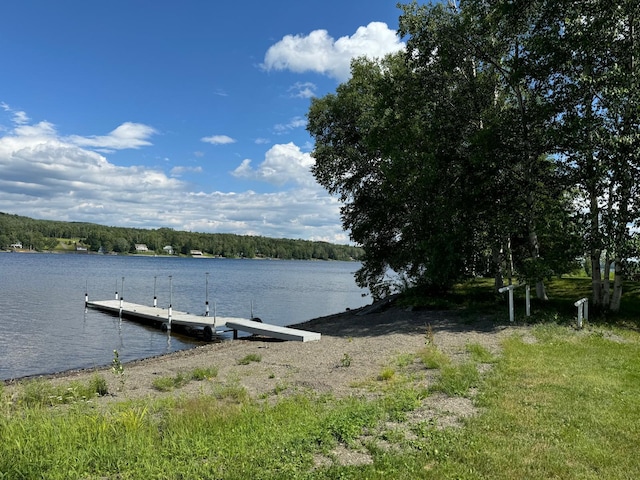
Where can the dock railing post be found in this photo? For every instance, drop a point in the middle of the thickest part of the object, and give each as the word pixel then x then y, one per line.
pixel 155 298
pixel 170 300
pixel 206 294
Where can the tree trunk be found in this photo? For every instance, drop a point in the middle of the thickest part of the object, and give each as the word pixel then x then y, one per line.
pixel 606 283
pixel 617 286
pixel 596 278
pixel 497 259
pixel 541 291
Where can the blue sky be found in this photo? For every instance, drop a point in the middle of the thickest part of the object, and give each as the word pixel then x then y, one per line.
pixel 188 115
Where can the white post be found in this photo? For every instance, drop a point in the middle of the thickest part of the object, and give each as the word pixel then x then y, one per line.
pixel 528 299
pixel 206 303
pixel 509 288
pixel 170 301
pixel 583 310
pixel 155 298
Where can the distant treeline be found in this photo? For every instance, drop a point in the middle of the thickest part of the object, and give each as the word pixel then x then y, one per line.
pixel 50 235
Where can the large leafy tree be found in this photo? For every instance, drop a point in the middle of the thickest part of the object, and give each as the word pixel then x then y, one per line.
pixel 439 154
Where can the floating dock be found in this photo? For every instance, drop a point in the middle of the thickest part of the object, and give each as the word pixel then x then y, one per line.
pixel 168 318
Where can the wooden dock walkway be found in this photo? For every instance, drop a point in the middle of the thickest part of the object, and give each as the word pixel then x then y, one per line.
pixel 209 326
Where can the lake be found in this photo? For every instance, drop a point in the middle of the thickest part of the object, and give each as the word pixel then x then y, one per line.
pixel 45 328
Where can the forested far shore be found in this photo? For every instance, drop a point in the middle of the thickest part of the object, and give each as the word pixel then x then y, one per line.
pixel 24 233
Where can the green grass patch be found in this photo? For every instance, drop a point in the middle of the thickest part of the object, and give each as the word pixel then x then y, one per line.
pixel 479 353
pixel 456 380
pixel 252 357
pixel 433 358
pixel 564 407
pixel 42 393
pixel 204 373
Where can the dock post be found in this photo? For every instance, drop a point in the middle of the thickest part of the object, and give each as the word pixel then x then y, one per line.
pixel 155 298
pixel 206 302
pixel 170 299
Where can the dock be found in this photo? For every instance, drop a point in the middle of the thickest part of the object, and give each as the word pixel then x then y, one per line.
pixel 209 327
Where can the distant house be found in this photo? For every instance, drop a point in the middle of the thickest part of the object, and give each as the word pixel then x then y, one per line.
pixel 80 248
pixel 168 250
pixel 16 245
pixel 196 253
pixel 141 247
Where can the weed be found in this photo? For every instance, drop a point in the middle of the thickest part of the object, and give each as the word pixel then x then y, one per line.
pixel 387 374
pixel 202 373
pixel 429 338
pixel 346 360
pixel 433 358
pixel 252 357
pixel 118 369
pixel 456 380
pixel 98 384
pixel 230 391
pixel 165 384
pixel 405 360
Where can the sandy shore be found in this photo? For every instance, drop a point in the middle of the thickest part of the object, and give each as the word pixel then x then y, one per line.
pixel 353 349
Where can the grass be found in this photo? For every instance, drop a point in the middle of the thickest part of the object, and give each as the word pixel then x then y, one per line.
pixel 565 406
pixel 166 384
pixel 252 357
pixel 40 393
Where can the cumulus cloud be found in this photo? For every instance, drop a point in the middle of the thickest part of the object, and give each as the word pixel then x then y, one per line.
pixel 218 140
pixel 45 175
pixel 321 53
pixel 128 135
pixel 283 163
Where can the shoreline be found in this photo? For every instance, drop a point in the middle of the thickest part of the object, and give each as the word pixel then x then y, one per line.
pixel 353 351
pixel 194 350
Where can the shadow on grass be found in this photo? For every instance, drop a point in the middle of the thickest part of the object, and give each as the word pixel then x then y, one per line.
pixel 475 306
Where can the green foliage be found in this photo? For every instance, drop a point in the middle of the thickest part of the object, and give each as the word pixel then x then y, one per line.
pixel 456 380
pixel 479 353
pixel 204 373
pixel 433 358
pixel 42 393
pixel 345 361
pixel 166 384
pixel 118 369
pixel 252 357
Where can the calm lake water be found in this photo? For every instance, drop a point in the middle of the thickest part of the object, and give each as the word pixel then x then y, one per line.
pixel 44 327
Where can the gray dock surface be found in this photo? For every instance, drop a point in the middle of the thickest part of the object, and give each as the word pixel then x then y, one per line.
pixel 188 320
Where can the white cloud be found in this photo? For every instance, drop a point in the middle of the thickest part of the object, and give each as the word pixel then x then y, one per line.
pixel 127 135
pixel 178 171
pixel 295 122
pixel 283 163
pixel 44 175
pixel 19 117
pixel 319 52
pixel 262 141
pixel 303 90
pixel 218 140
